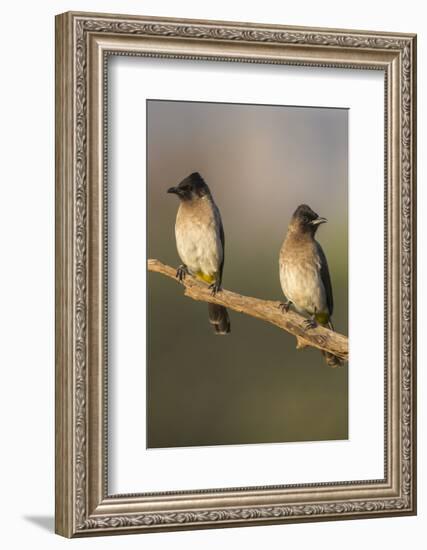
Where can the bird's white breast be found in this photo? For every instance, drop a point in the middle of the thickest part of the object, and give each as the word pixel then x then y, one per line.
pixel 301 280
pixel 197 237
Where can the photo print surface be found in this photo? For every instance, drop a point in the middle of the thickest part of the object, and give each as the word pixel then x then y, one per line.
pixel 252 199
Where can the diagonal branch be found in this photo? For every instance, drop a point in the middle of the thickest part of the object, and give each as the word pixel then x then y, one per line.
pixel 266 310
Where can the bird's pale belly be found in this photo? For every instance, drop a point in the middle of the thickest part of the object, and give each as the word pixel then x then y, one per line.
pixel 200 249
pixel 302 285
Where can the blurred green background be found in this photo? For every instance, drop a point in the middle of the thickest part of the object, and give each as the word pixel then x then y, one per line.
pixel 260 163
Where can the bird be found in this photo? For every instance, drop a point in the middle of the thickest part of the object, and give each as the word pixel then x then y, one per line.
pixel 304 273
pixel 200 241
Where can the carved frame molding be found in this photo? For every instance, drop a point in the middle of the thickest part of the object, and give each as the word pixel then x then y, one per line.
pixel 83 43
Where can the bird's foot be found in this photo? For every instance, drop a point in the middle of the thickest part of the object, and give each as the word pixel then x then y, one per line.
pixel 285 306
pixel 309 324
pixel 181 272
pixel 215 287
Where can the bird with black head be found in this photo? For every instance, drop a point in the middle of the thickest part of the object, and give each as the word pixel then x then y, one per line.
pixel 200 241
pixel 304 273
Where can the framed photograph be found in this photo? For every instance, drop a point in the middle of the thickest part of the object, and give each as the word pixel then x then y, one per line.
pixel 235 274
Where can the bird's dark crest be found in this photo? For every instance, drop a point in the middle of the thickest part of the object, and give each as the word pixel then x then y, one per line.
pixel 194 181
pixel 196 178
pixel 304 211
pixel 193 186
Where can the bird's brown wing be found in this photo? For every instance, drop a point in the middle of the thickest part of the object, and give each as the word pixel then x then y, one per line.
pixel 222 238
pixel 326 278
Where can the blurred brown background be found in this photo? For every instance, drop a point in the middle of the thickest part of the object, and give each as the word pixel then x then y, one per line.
pixel 260 163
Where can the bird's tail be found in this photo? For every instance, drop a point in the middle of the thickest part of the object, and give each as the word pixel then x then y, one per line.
pixel 219 319
pixel 331 359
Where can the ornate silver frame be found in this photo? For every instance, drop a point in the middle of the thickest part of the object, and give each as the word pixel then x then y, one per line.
pixel 83 505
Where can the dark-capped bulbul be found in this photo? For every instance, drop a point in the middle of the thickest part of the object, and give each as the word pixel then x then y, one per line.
pixel 304 273
pixel 200 241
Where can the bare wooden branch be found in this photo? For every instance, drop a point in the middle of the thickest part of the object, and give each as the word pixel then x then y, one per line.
pixel 266 310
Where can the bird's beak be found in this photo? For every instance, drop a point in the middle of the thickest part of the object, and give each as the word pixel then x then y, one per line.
pixel 173 190
pixel 318 221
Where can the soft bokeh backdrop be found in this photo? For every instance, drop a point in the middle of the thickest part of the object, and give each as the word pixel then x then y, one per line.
pixel 260 163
